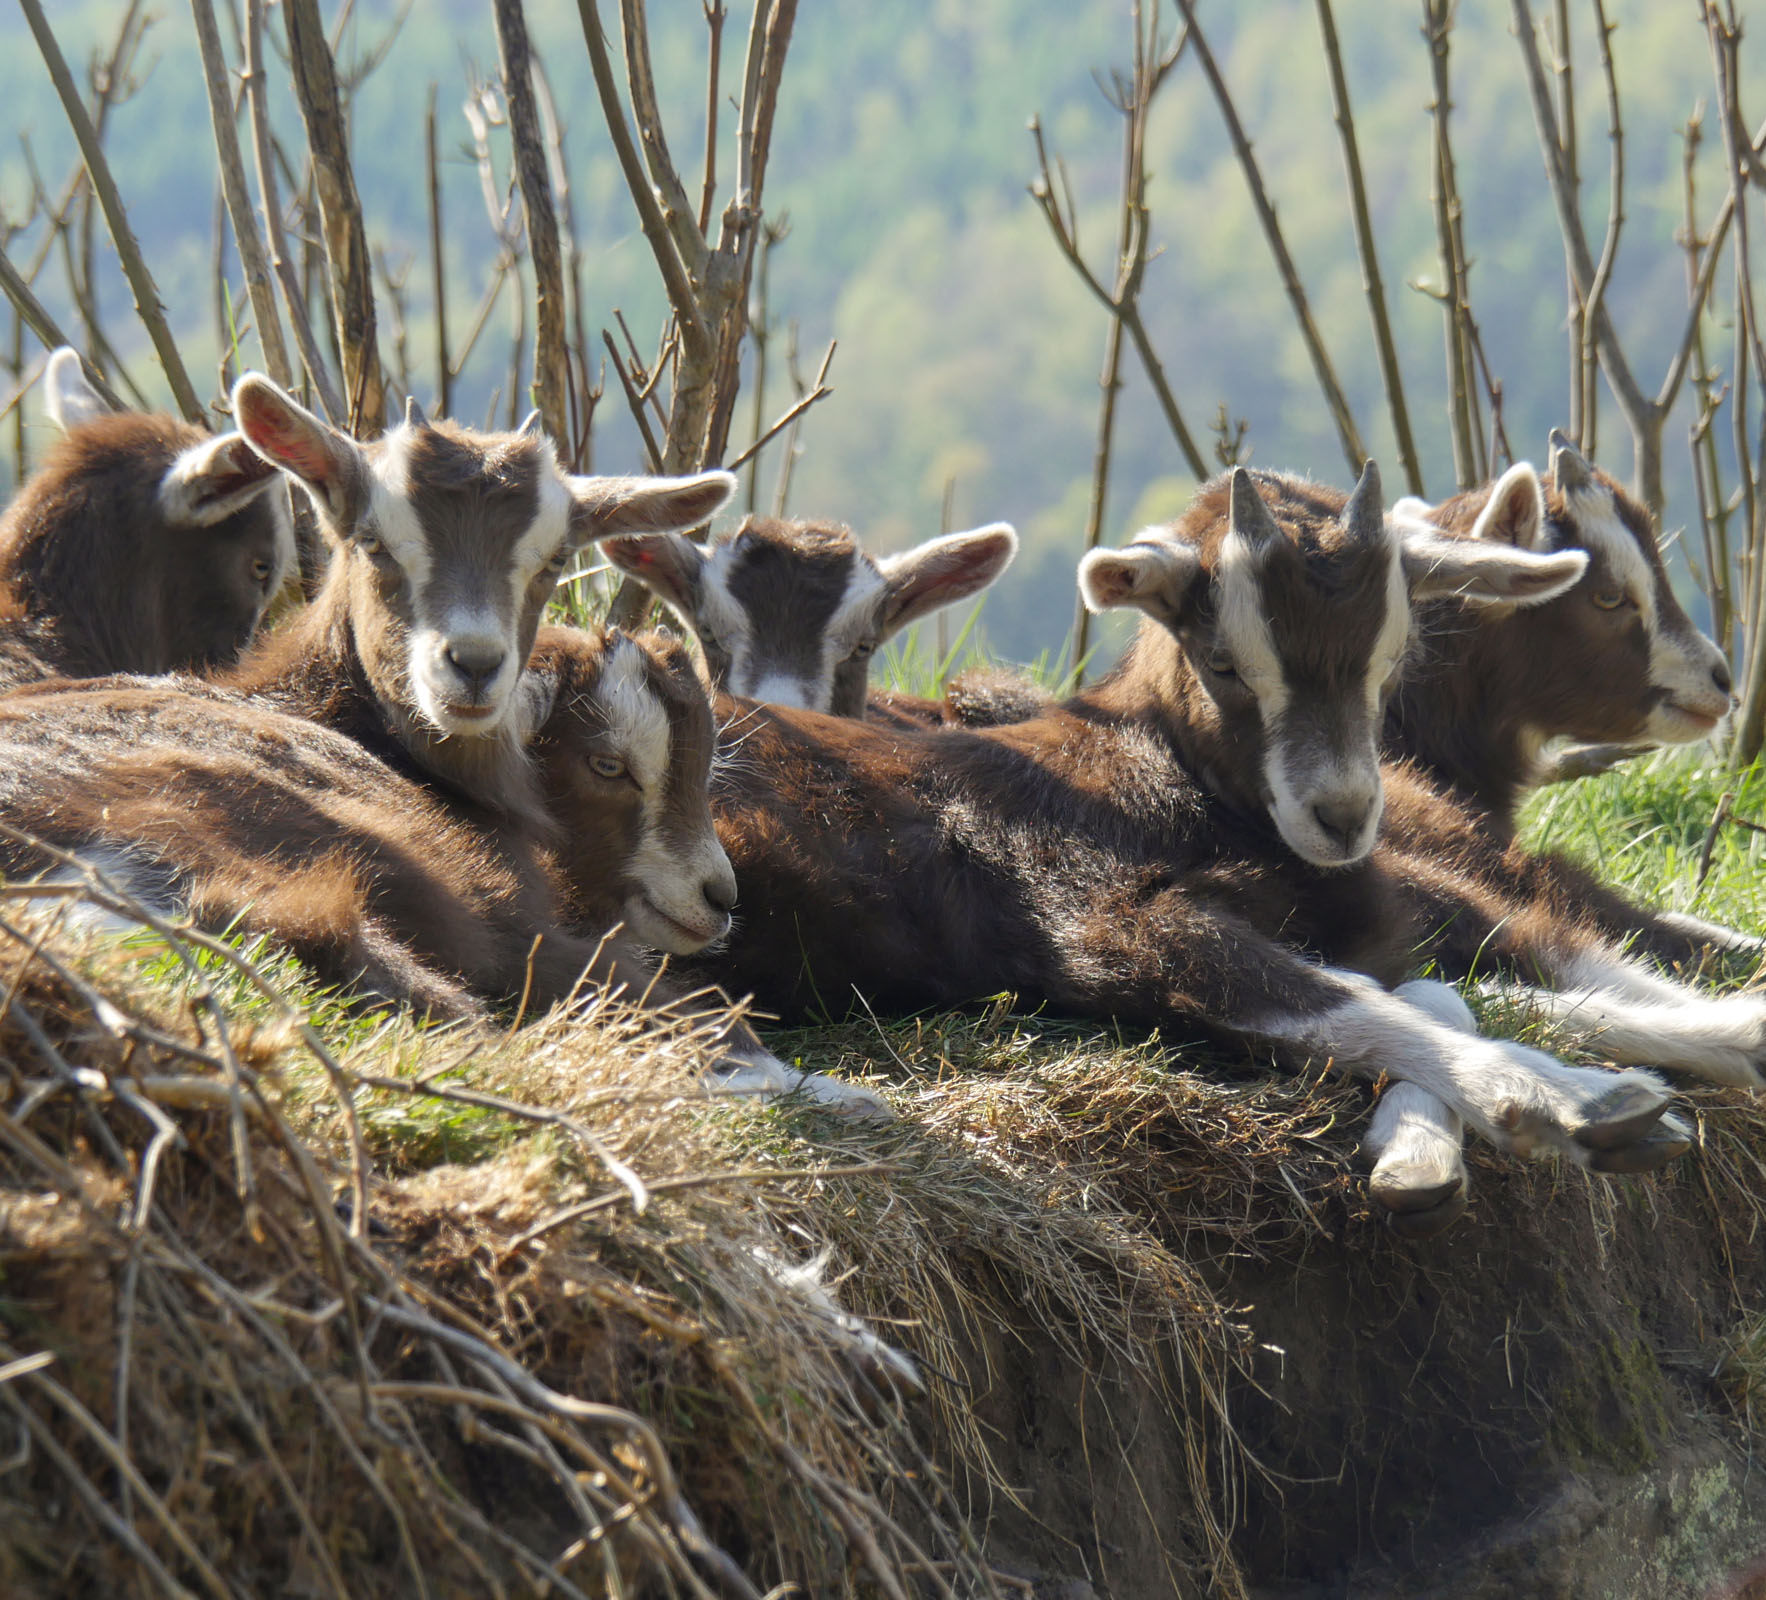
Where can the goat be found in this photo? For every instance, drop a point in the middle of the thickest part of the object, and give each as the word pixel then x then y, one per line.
pixel 792 612
pixel 200 800
pixel 1182 845
pixel 445 546
pixel 142 544
pixel 1612 659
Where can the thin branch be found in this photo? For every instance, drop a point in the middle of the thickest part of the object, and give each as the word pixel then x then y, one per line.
pixel 444 379
pixel 147 302
pixel 38 320
pixel 1354 452
pixel 817 391
pixel 550 369
pixel 259 284
pixel 1372 284
pixel 671 193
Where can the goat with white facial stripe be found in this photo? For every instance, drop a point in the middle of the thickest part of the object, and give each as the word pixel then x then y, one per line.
pixel 791 613
pixel 142 544
pixel 1612 659
pixel 1153 850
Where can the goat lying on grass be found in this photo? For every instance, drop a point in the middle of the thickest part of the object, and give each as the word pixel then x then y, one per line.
pixel 792 612
pixel 142 544
pixel 1179 846
pixel 1614 658
pixel 200 801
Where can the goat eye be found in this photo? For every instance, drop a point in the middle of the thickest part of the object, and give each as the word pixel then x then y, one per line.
pixel 609 767
pixel 1610 599
pixel 370 546
pixel 556 564
pixel 1221 664
pixel 862 651
pixel 261 570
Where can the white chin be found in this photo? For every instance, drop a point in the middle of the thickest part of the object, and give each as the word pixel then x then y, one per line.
pixel 653 926
pixel 1671 725
pixel 1315 848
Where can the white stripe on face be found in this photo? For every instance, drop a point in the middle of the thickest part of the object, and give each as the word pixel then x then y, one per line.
pixel 1681 659
pixel 546 535
pixel 637 720
pixel 395 518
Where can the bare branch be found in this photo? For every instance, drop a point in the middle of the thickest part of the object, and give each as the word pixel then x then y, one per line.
pixel 224 115
pixel 30 308
pixel 444 378
pixel 1371 282
pixel 819 390
pixel 1354 452
pixel 346 242
pixel 550 368
pixel 141 284
pixel 677 210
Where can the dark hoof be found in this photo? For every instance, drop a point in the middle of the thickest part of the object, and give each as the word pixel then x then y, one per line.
pixel 1622 1116
pixel 1653 1150
pixel 1428 1223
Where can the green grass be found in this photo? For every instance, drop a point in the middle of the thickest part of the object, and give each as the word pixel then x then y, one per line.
pixel 1643 829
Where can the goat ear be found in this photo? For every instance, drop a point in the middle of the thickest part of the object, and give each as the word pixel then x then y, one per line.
pixel 68 394
pixel 289 436
pixel 1515 511
pixel 210 481
pixel 602 506
pixel 944 570
pixel 1485 572
pixel 1154 577
pixel 667 564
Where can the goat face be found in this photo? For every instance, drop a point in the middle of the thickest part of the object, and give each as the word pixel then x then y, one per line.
pixel 450 542
pixel 1627 660
pixel 624 747
pixel 792 612
pixel 146 541
pixel 1291 609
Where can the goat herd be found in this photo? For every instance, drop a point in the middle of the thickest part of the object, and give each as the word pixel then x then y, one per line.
pixel 1298 787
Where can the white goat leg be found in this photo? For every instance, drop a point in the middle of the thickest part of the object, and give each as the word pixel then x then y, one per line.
pixel 1637 1015
pixel 1519 1098
pixel 1415 1141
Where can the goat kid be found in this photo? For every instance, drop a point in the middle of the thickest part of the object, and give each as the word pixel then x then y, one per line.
pixel 200 801
pixel 142 544
pixel 1179 846
pixel 1612 659
pixel 446 545
pixel 792 612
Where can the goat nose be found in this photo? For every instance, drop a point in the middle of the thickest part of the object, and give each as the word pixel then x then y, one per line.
pixel 720 893
pixel 476 660
pixel 1720 675
pixel 1342 818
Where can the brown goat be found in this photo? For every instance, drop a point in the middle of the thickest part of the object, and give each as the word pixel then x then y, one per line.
pixel 1180 846
pixel 203 801
pixel 142 544
pixel 792 612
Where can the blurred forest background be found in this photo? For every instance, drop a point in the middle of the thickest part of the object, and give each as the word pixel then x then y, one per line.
pixel 968 350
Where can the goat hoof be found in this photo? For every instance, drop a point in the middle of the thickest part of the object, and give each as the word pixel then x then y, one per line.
pixel 1431 1223
pixel 1620 1117
pixel 1666 1142
pixel 1408 1190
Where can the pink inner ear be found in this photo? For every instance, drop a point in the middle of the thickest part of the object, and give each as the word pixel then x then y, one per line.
pixel 287 443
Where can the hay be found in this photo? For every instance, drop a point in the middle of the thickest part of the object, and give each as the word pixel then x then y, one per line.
pixel 297 1298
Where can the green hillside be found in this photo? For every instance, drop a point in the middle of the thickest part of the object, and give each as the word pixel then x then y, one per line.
pixel 968 351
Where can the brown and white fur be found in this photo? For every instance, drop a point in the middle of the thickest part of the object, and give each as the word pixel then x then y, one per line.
pixel 445 546
pixel 791 612
pixel 1613 659
pixel 1186 845
pixel 142 544
pixel 206 802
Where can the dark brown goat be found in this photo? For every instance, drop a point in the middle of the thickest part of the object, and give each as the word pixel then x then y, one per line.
pixel 1180 846
pixel 142 544
pixel 792 612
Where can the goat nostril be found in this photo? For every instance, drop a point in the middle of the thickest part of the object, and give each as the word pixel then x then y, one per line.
pixel 1340 819
pixel 720 894
pixel 1721 676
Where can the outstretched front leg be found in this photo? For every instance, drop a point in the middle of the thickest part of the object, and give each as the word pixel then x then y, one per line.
pixel 1174 958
